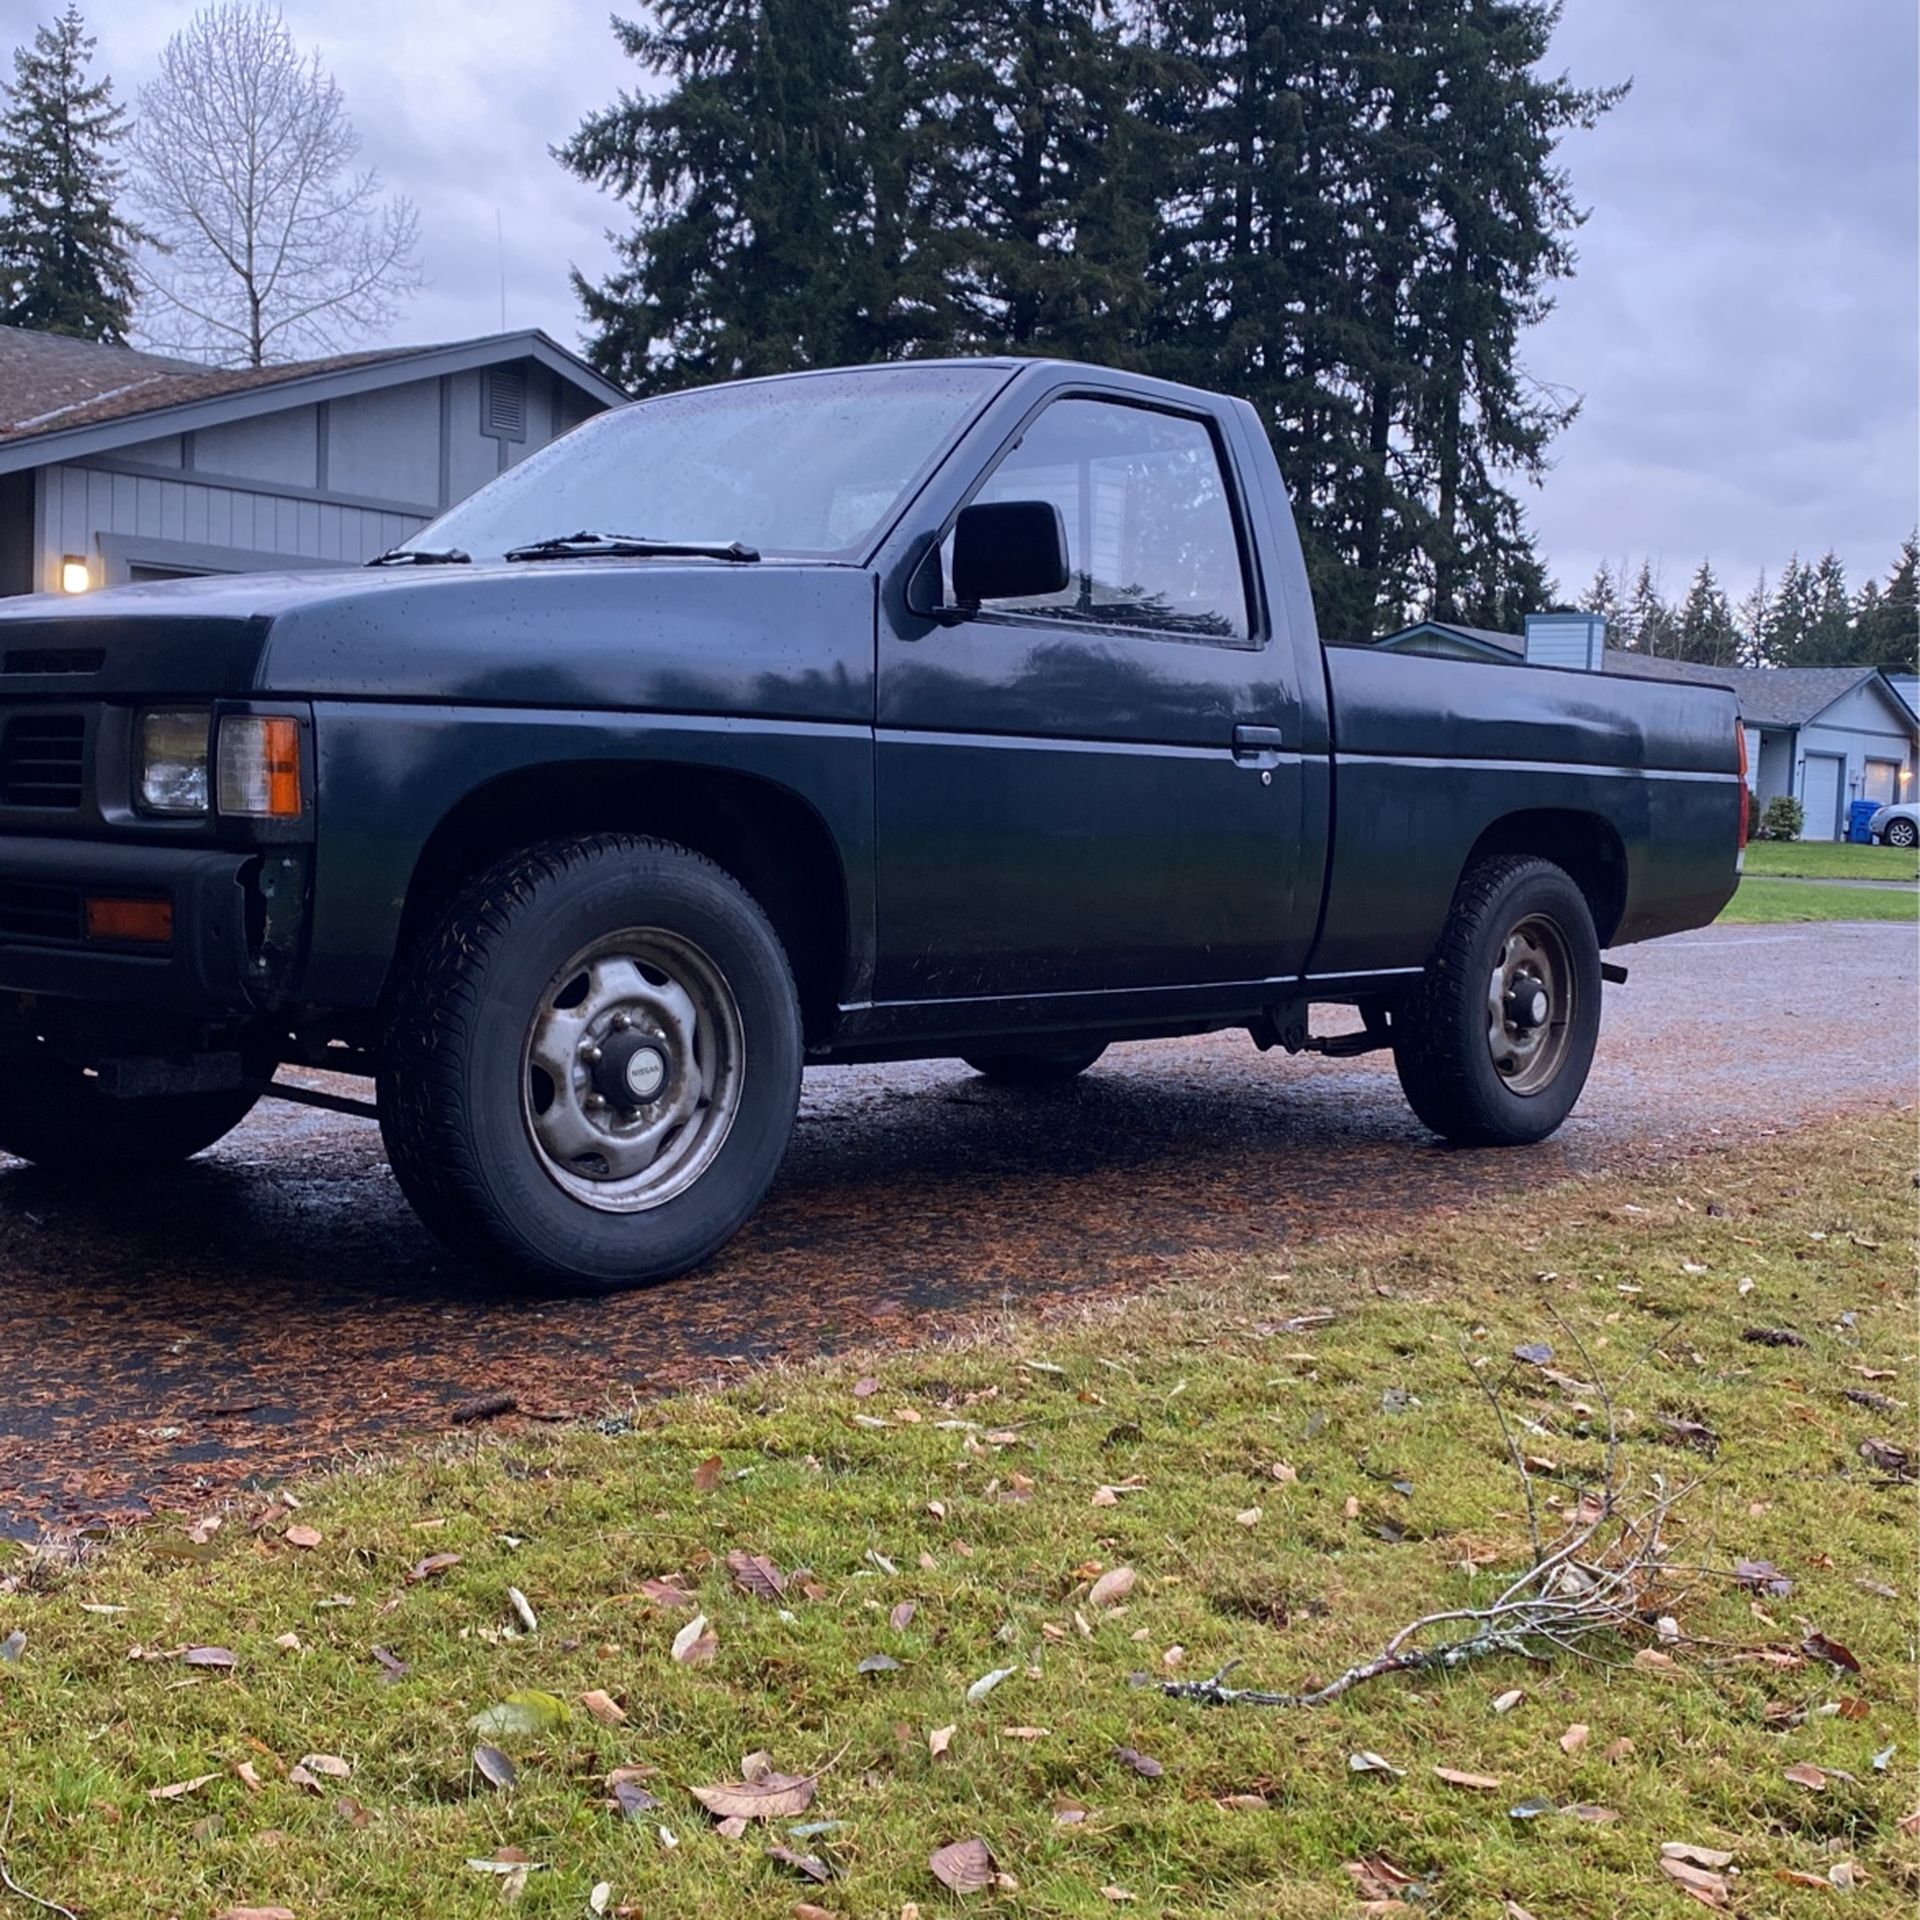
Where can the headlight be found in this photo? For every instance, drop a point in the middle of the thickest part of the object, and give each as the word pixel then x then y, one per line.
pixel 173 761
pixel 260 766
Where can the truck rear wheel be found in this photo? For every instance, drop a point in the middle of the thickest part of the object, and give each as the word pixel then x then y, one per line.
pixel 593 1062
pixel 53 1115
pixel 1037 1067
pixel 1494 1045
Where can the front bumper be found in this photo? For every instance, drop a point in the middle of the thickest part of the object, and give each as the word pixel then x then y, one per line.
pixel 212 966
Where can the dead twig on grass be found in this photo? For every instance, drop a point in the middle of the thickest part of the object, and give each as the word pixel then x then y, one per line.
pixel 1600 1577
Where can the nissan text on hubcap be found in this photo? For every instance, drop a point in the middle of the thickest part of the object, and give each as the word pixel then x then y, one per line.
pixel 1530 1005
pixel 633 1070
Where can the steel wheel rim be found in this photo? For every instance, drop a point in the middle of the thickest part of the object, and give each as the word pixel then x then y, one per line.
pixel 632 1070
pixel 1532 1000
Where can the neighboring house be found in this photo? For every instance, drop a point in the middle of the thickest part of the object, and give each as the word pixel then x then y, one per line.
pixel 1825 735
pixel 118 466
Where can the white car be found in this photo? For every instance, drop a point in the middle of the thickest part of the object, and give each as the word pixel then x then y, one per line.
pixel 1896 826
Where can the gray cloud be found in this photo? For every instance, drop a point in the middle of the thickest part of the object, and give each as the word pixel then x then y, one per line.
pixel 1742 327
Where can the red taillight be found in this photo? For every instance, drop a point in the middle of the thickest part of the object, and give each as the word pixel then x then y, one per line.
pixel 1746 792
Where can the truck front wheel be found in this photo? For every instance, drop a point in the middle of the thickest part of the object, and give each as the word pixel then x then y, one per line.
pixel 1494 1045
pixel 592 1063
pixel 55 1116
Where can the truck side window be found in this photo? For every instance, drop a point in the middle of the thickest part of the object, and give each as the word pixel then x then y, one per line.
pixel 1151 540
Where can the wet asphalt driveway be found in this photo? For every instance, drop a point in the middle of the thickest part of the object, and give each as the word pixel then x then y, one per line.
pixel 274 1303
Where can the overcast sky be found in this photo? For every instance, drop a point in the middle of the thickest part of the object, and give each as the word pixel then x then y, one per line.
pixel 1742 327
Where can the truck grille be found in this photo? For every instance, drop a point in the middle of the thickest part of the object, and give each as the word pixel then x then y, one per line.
pixel 32 912
pixel 43 760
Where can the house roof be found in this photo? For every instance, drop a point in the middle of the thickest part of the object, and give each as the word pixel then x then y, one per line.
pixel 1768 696
pixel 62 398
pixel 1474 636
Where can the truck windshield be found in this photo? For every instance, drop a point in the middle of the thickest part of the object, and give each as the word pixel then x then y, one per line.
pixel 808 466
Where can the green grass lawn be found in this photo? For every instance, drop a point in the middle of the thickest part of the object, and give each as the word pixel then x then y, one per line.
pixel 1830 860
pixel 1769 902
pixel 1291 1463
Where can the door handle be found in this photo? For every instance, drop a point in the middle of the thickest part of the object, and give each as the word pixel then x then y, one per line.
pixel 1258 746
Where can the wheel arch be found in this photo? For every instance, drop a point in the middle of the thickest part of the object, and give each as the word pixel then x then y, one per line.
pixel 767 836
pixel 1585 845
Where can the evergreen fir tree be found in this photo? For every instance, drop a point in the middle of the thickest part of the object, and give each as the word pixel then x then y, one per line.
pixel 1887 620
pixel 1752 619
pixel 1705 631
pixel 65 263
pixel 1829 640
pixel 1647 622
pixel 745 174
pixel 1784 640
pixel 1603 597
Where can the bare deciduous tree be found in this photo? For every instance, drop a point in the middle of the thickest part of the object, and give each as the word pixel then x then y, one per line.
pixel 267 241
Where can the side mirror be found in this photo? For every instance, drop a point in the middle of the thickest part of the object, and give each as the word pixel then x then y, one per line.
pixel 1008 550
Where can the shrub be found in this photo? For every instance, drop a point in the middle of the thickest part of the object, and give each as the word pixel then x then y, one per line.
pixel 1784 818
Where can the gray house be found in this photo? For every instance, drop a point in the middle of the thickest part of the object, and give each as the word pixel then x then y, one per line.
pixel 118 466
pixel 1825 735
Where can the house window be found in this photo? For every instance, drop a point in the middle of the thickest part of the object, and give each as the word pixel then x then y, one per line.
pixel 503 403
pixel 1881 782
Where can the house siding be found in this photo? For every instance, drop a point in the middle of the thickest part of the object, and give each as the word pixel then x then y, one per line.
pixel 330 484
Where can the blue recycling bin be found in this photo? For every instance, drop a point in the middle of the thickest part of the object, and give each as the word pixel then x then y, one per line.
pixel 1858 817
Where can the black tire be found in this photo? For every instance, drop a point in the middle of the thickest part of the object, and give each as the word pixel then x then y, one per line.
pixel 1037 1067
pixel 455 1108
pixel 1901 833
pixel 54 1116
pixel 1442 1033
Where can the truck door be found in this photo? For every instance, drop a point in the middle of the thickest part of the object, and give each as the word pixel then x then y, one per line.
pixel 1100 787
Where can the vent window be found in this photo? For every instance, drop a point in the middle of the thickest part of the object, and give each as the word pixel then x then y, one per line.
pixel 503 403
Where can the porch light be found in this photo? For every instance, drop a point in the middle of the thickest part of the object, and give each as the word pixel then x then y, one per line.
pixel 75 575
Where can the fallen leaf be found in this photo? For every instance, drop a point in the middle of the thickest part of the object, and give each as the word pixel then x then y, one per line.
pixel 1144 1764
pixel 391 1664
pixel 254 1913
pixel 601 1896
pixel 220 1657
pixel 706 1476
pixel 964 1866
pixel 1026 1733
pixel 1618 1750
pixel 663 1593
pixel 878 1663
pixel 528 1711
pixel 773 1796
pixel 1821 1648
pixel 1119 1895
pixel 1710 1889
pixel 432 1566
pixel 1593 1815
pixel 523 1612
pixel 303 1536
pixel 1479 1782
pixel 632 1799
pixel 1575 1737
pixel 809 1864
pixel 901 1618
pixel 1806 1775
pixel 1700 1856
pixel 180 1788
pixel 1246 1517
pixel 1112 1587
pixel 693 1645
pixel 754 1573
pixel 494 1767
pixel 329 1764
pixel 1506 1702
pixel 939 1740
pixel 298 1776
pixel 865 1389
pixel 988 1681
pixel 1370 1762
pixel 604 1708
pixel 806 1910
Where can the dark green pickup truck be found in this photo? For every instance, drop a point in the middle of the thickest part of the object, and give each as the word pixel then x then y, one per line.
pixel 968 709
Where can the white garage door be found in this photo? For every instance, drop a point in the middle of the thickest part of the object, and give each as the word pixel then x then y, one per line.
pixel 1820 796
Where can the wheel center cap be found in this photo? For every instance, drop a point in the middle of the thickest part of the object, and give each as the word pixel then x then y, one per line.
pixel 1527 1004
pixel 633 1070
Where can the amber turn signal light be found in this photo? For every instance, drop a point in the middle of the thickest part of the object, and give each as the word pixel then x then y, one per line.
pixel 259 773
pixel 145 922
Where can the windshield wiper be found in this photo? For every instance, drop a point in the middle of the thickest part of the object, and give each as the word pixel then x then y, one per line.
pixel 566 546
pixel 422 557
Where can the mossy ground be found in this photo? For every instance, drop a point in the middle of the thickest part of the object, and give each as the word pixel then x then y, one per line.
pixel 964 1479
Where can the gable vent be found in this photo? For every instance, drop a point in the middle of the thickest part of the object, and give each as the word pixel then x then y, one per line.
pixel 503 403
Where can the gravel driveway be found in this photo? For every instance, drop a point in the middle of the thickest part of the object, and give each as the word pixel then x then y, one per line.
pixel 274 1303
